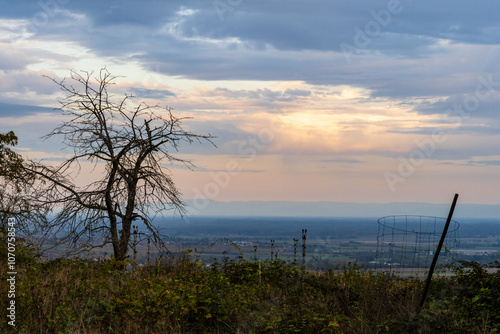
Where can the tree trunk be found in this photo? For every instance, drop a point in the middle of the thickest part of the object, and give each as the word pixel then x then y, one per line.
pixel 122 250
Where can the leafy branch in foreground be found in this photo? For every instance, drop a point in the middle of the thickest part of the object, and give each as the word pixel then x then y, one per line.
pixel 15 183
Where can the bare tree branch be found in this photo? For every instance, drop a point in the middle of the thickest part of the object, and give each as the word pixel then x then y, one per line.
pixel 132 143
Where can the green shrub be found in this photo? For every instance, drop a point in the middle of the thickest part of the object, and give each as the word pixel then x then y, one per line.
pixel 182 296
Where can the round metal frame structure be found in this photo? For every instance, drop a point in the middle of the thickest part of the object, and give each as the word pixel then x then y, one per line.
pixel 406 243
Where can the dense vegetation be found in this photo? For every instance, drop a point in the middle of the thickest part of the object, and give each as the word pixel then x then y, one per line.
pixel 184 296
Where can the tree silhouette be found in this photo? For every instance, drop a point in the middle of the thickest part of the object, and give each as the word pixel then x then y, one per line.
pixel 129 148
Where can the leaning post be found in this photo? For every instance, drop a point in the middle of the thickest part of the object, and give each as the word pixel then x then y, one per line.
pixel 438 250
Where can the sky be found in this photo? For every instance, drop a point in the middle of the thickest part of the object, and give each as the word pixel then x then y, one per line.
pixel 349 101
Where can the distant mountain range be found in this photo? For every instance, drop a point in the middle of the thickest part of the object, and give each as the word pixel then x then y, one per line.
pixel 337 209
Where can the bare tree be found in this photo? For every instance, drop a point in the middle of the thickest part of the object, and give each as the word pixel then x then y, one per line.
pixel 128 147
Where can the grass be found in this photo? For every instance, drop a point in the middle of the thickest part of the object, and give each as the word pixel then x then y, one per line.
pixel 183 296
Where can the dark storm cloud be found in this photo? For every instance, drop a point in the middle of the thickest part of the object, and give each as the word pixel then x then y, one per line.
pixel 265 94
pixel 17 110
pixel 151 93
pixel 287 25
pixel 402 53
pixel 465 106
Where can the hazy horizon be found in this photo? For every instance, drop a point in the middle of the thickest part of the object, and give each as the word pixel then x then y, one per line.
pixel 325 209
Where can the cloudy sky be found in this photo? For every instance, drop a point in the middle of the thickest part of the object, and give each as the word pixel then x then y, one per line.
pixel 353 101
